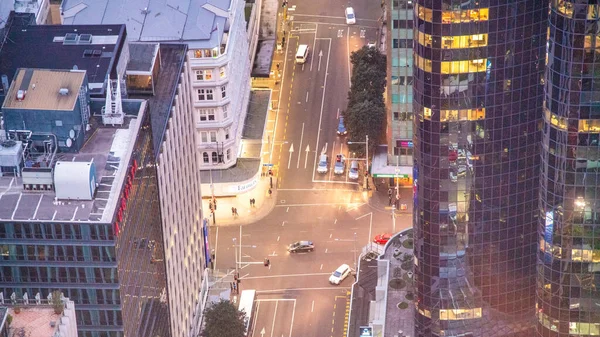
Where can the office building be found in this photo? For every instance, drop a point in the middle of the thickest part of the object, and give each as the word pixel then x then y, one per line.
pixel 478 98
pixel 400 93
pixel 218 59
pixel 86 222
pixel 568 287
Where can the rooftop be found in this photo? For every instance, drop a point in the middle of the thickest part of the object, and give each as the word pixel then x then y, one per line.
pixel 155 20
pixel 141 56
pixel 41 89
pixel 109 148
pixel 94 48
pixel 34 321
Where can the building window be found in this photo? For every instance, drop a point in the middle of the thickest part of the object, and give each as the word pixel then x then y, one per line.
pixel 225 109
pixel 402 43
pixel 215 158
pixel 224 91
pixel 204 75
pixel 200 53
pixel 205 157
pixel 228 154
pixel 205 94
pixel 204 137
pixel 227 133
pixel 222 72
pixel 213 136
pixel 206 114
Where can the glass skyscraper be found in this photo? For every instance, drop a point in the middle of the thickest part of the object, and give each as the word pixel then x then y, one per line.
pixel 478 96
pixel 568 287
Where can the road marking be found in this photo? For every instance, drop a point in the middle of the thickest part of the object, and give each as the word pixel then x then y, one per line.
pixel 291 152
pixel 321 267
pixel 277 238
pixel 322 105
pixel 318 189
pixel 348 48
pixel 276 299
pixel 292 323
pixel 330 234
pixel 279 100
pixel 306 100
pixel 362 33
pixel 335 221
pixel 334 25
pixel 284 275
pixel 283 222
pixel 307 151
pixel 287 210
pixel 255 318
pixel 320 56
pixel 323 204
pixel 301 289
pixel 312 308
pixel 301 139
pixel 314 42
pixel 325 250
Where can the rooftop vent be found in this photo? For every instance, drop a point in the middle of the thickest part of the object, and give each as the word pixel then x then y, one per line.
pixel 97 53
pixel 70 38
pixel 52 324
pixel 63 91
pixel 21 95
pixel 85 39
pixel 88 53
pixel 8 143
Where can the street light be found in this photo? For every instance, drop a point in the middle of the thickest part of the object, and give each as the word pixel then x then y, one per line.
pixel 366 142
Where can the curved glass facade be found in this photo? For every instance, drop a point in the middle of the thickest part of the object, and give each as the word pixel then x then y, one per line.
pixel 568 288
pixel 478 97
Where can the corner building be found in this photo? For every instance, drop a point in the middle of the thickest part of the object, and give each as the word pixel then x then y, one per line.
pixel 478 95
pixel 568 288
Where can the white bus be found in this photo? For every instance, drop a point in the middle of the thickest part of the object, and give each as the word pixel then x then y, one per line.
pixel 246 305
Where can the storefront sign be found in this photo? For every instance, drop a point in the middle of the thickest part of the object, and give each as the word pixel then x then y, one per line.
pixel 244 187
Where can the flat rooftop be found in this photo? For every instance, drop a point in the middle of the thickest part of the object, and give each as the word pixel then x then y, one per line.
pixel 155 20
pixel 142 56
pixel 42 88
pixel 34 321
pixel 109 148
pixel 94 48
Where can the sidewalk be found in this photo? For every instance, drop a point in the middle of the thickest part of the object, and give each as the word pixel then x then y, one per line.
pixel 246 214
pixel 379 197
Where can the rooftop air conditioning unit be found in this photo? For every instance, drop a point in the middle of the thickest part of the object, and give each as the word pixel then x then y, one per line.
pixel 63 91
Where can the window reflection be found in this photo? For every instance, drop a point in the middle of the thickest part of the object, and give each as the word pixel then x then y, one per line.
pixel 455 42
pixel 454 16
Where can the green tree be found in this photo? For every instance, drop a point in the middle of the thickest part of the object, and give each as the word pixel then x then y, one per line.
pixel 365 118
pixel 222 319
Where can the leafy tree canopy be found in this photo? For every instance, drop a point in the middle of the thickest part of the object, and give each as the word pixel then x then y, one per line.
pixel 365 118
pixel 222 319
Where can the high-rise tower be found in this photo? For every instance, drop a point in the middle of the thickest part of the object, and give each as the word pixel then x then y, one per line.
pixel 478 98
pixel 568 287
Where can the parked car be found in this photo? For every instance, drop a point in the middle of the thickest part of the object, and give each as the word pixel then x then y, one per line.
pixel 323 164
pixel 350 17
pixel 382 239
pixel 341 130
pixel 340 274
pixel 301 246
pixel 340 164
pixel 353 173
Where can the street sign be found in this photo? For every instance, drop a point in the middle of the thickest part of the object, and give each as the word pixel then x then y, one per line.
pixel 269 165
pixel 366 331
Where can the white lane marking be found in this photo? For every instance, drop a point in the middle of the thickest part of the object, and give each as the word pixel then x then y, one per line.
pixel 306 99
pixel 301 139
pixel 322 105
pixel 274 299
pixel 255 318
pixel 312 307
pixel 325 250
pixel 314 43
pixel 287 210
pixel 348 47
pixel 330 235
pixel 279 100
pixel 283 222
pixel 301 289
pixel 323 204
pixel 274 316
pixel 38 207
pixel 17 207
pixel 285 275
pixel 321 267
pixel 335 222
pixel 278 239
pixel 293 315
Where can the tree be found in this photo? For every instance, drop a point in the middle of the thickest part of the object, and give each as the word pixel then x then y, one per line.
pixel 365 118
pixel 222 319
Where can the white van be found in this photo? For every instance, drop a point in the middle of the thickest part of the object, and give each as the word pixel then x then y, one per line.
pixel 302 54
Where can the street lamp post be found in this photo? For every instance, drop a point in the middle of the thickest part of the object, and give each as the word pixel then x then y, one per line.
pixel 366 142
pixel 236 256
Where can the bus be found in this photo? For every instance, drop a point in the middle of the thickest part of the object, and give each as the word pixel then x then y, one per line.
pixel 246 305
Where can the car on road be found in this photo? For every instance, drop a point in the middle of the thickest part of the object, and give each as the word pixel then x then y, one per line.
pixel 323 164
pixel 341 130
pixel 301 246
pixel 340 274
pixel 353 173
pixel 340 164
pixel 350 17
pixel 382 239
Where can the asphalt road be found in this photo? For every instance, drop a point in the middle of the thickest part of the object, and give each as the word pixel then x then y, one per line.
pixel 294 297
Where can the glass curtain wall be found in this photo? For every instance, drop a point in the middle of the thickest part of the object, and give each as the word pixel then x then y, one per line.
pixel 568 288
pixel 478 95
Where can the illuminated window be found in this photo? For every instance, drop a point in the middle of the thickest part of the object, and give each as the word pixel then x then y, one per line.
pixel 563 7
pixel 459 314
pixel 461 67
pixel 423 63
pixel 455 42
pixel 427 113
pixel 455 16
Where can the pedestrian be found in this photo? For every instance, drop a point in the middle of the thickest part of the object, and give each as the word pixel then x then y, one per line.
pixel 235 211
pixel 390 192
pixel 232 211
pixel 390 200
pixel 270 192
pixel 253 202
pixel 250 202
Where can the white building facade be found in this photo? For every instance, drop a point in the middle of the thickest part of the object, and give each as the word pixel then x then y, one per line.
pixel 220 81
